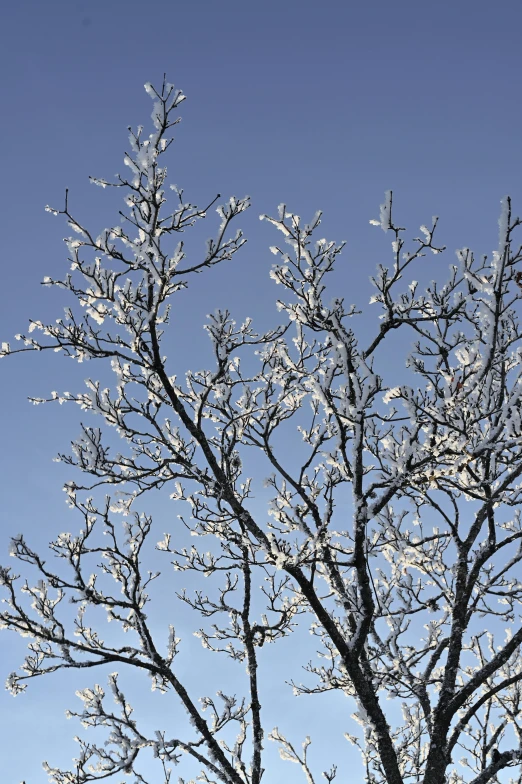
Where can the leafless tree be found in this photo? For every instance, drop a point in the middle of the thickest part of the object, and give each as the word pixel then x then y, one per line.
pixel 395 527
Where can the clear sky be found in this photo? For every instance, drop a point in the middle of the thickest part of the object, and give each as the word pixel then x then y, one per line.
pixel 322 105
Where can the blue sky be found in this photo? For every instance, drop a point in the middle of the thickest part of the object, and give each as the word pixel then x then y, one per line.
pixel 320 105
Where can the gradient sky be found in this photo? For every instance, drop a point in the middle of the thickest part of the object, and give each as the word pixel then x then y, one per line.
pixel 322 105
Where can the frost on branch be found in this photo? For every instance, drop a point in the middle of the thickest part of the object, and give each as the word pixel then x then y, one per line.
pixel 393 520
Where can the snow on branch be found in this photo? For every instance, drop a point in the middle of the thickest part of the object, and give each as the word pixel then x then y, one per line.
pixel 392 526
